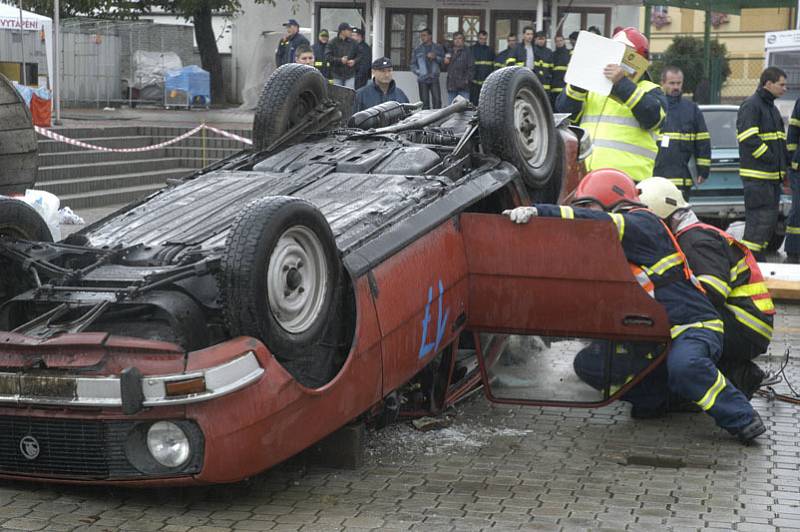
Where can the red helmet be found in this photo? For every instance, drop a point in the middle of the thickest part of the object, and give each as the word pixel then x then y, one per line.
pixel 633 38
pixel 608 188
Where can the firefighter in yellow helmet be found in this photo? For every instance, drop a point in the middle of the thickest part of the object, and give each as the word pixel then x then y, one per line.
pixel 732 279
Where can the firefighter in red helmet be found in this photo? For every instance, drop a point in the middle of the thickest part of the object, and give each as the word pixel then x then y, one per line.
pixel 660 267
pixel 624 124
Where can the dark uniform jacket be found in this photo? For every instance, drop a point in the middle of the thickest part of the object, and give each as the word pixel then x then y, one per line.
pixel 793 136
pixel 482 61
pixel 287 48
pixel 320 63
pixel 459 71
pixel 561 57
pixel 510 57
pixel 543 65
pixel 336 49
pixel 714 262
pixel 762 141
pixel 688 135
pixel 645 241
pixel 363 65
pixel 371 95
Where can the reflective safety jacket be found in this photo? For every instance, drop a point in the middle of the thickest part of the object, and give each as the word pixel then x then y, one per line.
pixel 483 63
pixel 561 57
pixel 683 134
pixel 623 126
pixel 320 63
pixel 762 141
pixel 510 57
pixel 732 278
pixel 650 247
pixel 543 65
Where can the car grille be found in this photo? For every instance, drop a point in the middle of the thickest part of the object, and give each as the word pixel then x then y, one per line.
pixel 73 448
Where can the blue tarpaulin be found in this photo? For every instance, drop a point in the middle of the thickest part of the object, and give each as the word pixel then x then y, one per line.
pixel 191 80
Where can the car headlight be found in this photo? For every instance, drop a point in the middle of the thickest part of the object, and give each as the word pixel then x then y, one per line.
pixel 168 444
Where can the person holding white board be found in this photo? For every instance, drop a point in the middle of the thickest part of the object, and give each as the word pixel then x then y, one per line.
pixel 622 116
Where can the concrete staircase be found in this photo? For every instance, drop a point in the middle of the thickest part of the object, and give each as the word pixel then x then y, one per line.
pixel 85 179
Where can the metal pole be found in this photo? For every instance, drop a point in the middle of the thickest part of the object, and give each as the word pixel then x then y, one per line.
pixel 707 46
pixel 648 15
pixel 797 16
pixel 22 45
pixel 57 62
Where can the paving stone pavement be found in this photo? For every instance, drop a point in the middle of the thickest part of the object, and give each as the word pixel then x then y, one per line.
pixel 494 467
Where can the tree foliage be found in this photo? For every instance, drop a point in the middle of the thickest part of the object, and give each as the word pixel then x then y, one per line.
pixel 686 53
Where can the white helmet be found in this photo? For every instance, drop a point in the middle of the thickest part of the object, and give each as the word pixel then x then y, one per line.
pixel 661 196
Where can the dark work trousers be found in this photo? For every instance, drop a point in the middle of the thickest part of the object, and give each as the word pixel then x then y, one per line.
pixel 430 94
pixel 690 372
pixel 761 204
pixel 738 352
pixel 474 93
pixel 793 223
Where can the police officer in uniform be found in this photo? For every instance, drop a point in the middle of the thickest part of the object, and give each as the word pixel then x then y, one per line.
pixel 659 265
pixel 482 66
pixel 683 134
pixel 763 160
pixel 731 277
pixel 623 125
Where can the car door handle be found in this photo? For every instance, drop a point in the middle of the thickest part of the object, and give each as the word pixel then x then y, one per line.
pixel 638 320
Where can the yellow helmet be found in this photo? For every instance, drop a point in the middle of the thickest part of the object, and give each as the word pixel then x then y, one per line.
pixel 661 196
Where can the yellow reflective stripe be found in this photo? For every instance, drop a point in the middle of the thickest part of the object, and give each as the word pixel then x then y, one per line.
pixel 634 98
pixel 702 161
pixel 619 221
pixel 708 400
pixel 714 325
pixel 483 63
pixel 664 264
pixel 740 267
pixel 752 246
pixel 560 68
pixel 791 230
pixel 761 150
pixel 794 121
pixel 566 212
pixel 764 305
pixel 676 135
pixel 747 133
pixel 557 89
pixel 477 82
pixel 794 165
pixel 791 147
pixel 681 181
pixel 758 174
pixel 716 283
pixel 748 290
pixel 576 95
pixel 773 135
pixel 747 319
pixel 703 135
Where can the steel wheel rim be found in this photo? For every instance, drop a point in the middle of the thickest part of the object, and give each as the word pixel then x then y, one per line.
pixel 530 127
pixel 297 279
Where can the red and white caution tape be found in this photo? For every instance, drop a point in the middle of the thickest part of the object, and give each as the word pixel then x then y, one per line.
pixel 229 135
pixel 61 138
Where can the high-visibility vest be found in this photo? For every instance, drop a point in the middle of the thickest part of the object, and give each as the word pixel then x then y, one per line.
pixel 618 140
pixel 749 301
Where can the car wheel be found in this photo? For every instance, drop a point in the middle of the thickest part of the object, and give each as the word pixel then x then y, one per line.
pixel 290 93
pixel 279 281
pixel 552 189
pixel 516 124
pixel 18 146
pixel 20 220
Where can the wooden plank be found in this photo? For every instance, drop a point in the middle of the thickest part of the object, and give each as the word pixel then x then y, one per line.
pixel 15 116
pixel 780 289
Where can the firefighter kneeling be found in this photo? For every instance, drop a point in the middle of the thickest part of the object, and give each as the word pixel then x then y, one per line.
pixel 733 281
pixel 696 327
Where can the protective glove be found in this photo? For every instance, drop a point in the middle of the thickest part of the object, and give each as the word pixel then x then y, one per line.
pixel 521 215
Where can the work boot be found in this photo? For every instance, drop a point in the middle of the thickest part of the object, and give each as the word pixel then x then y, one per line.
pixel 751 431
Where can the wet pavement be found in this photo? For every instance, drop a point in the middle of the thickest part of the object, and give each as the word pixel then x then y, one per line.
pixel 494 467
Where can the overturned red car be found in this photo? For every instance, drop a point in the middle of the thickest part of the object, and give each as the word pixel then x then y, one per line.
pixel 344 267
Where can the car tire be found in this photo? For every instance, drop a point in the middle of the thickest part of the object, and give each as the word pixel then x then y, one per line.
pixel 516 124
pixel 290 93
pixel 21 221
pixel 552 190
pixel 280 273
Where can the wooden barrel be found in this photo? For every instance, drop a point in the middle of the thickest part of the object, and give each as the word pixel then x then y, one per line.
pixel 18 151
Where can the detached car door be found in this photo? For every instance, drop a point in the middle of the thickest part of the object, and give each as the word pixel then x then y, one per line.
pixel 557 316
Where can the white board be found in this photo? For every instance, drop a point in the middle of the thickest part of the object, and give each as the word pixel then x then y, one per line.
pixel 591 55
